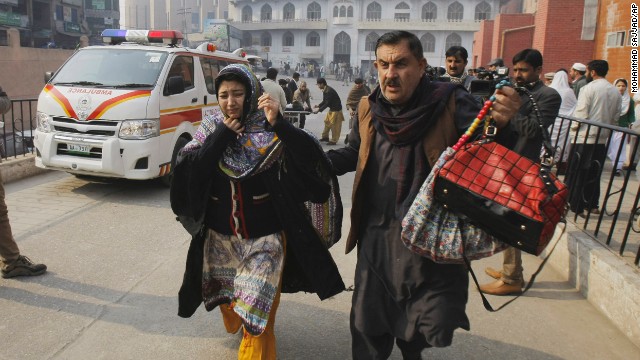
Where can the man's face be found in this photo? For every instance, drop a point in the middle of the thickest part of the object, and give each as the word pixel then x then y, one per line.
pixel 399 72
pixel 589 75
pixel 492 68
pixel 573 74
pixel 455 66
pixel 524 73
pixel 321 86
pixel 358 86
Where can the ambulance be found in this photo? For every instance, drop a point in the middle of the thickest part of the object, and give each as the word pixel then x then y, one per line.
pixel 125 109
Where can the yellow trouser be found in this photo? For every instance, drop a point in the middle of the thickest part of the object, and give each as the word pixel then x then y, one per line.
pixel 333 122
pixel 260 347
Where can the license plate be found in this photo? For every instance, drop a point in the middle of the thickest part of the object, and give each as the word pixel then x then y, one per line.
pixel 84 149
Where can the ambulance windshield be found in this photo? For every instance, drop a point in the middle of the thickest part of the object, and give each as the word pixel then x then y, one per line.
pixel 112 68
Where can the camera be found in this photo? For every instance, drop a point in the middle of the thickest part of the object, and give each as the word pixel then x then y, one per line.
pixel 436 73
pixel 486 81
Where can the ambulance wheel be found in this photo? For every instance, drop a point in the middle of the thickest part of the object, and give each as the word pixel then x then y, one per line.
pixel 166 180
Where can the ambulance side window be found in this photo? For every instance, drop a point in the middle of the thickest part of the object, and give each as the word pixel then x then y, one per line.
pixel 210 69
pixel 183 66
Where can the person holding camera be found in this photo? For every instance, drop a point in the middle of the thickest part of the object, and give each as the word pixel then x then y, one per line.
pixel 13 264
pixel 494 64
pixel 527 68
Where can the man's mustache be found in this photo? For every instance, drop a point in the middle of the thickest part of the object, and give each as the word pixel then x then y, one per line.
pixel 392 82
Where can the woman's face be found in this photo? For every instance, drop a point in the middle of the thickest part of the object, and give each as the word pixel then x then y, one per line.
pixel 231 95
pixel 621 87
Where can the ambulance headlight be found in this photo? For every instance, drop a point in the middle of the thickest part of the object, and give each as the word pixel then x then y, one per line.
pixel 139 129
pixel 43 122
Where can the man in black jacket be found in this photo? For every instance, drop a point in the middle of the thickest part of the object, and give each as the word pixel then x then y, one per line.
pixel 293 83
pixel 333 120
pixel 400 296
pixel 527 68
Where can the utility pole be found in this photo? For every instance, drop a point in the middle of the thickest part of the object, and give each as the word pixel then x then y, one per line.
pixel 184 11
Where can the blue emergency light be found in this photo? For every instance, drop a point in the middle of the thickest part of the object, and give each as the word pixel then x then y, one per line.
pixel 117 36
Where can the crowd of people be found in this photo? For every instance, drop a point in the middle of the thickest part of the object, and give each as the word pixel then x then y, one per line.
pixel 242 185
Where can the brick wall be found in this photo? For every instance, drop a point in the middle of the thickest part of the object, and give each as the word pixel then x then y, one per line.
pixel 614 16
pixel 508 22
pixel 482 44
pixel 25 79
pixel 514 41
pixel 558 31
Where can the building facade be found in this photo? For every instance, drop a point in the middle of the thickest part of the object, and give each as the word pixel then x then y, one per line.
pixel 565 32
pixel 57 23
pixel 321 32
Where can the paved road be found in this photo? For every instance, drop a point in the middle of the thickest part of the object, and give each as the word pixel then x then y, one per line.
pixel 116 257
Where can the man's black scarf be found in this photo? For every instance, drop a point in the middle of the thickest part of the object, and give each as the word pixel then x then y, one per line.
pixel 406 130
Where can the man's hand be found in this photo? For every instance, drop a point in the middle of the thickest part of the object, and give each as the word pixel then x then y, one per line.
pixel 506 106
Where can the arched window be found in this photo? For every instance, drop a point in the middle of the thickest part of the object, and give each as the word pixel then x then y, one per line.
pixel 342 43
pixel 343 11
pixel 403 12
pixel 247 14
pixel 429 12
pixel 370 42
pixel 265 13
pixel 313 39
pixel 455 12
pixel 350 11
pixel 453 40
pixel 265 39
pixel 336 11
pixel 374 11
pixel 287 39
pixel 288 12
pixel 483 11
pixel 314 11
pixel 428 43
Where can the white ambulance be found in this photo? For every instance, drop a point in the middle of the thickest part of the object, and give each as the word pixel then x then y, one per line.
pixel 125 109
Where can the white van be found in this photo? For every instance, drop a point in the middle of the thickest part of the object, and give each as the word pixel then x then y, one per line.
pixel 125 109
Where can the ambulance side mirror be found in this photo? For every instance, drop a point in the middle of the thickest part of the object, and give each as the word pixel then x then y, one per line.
pixel 47 76
pixel 175 85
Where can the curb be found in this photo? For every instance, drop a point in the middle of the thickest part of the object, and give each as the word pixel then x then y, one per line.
pixel 19 168
pixel 606 280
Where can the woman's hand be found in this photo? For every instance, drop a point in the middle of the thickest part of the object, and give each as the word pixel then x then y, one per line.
pixel 270 106
pixel 234 124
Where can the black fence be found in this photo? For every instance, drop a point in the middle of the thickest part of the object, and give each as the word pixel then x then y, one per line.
pixel 605 156
pixel 616 223
pixel 18 130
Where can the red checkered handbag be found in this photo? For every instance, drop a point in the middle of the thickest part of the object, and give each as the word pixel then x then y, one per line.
pixel 511 197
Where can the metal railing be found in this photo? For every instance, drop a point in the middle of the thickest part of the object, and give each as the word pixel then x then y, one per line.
pixel 616 221
pixel 18 130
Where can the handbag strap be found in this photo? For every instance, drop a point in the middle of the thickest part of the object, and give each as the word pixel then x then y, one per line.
pixel 486 303
pixel 546 161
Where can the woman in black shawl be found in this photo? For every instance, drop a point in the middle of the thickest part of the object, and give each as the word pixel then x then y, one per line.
pixel 244 186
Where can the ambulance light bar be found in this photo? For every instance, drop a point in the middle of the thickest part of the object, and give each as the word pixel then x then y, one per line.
pixel 117 36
